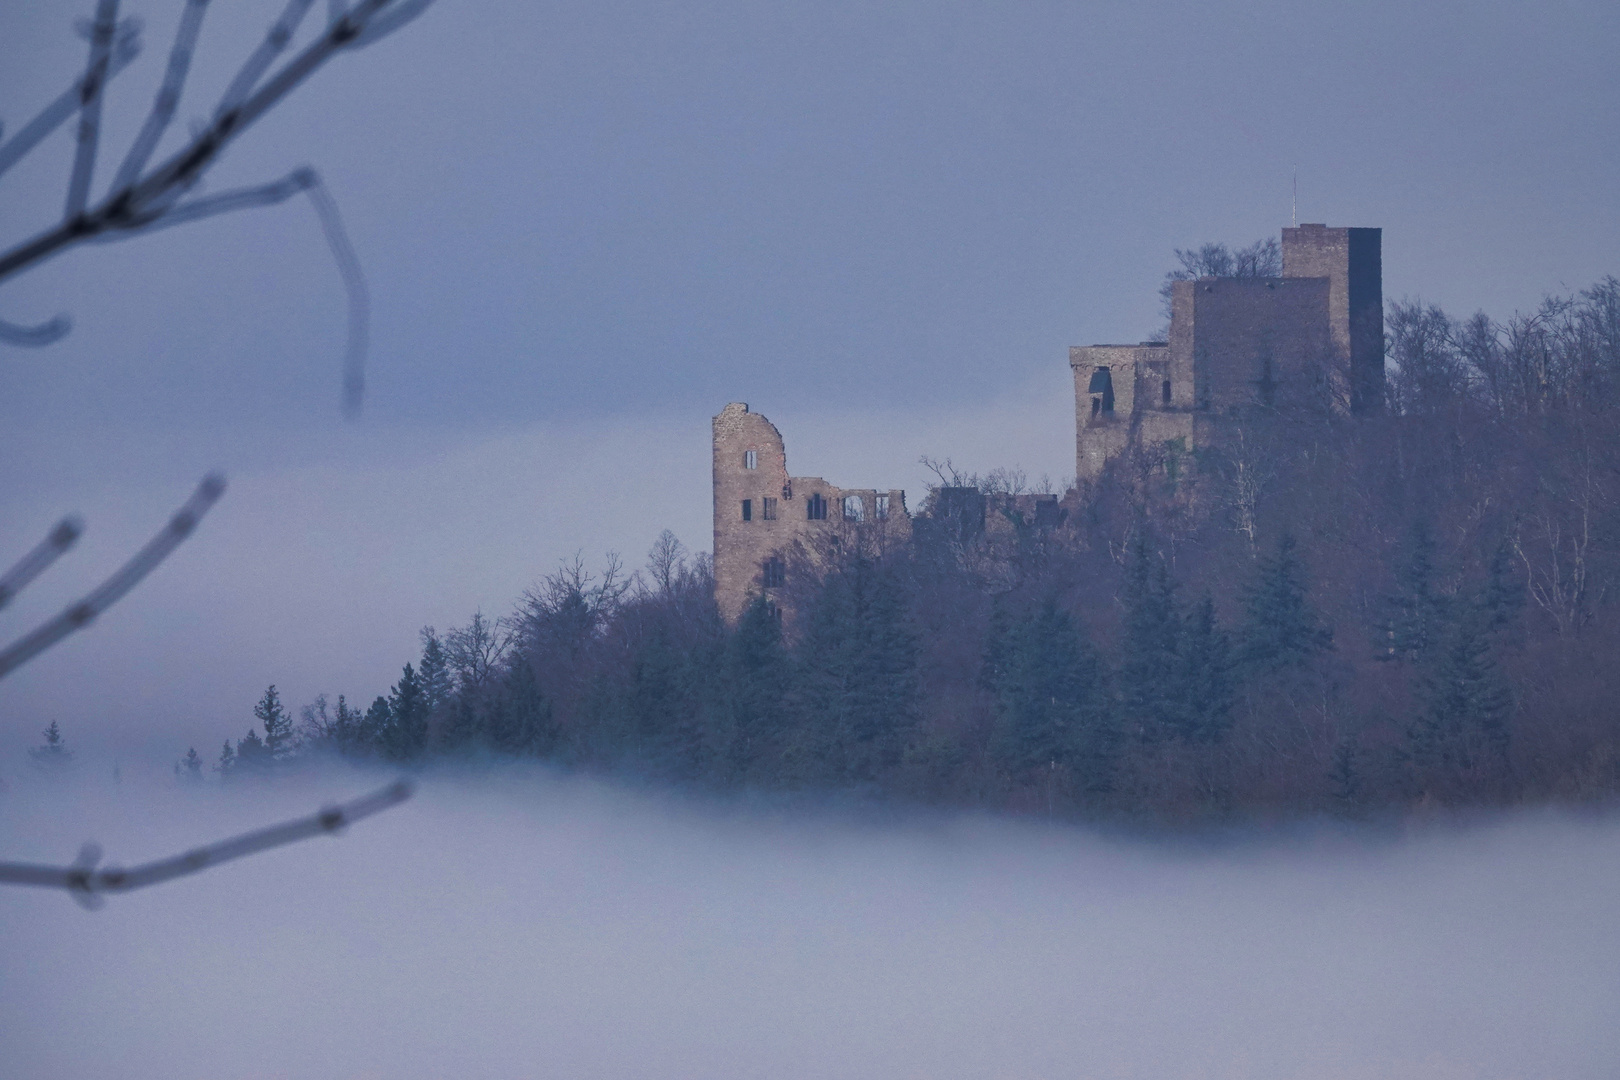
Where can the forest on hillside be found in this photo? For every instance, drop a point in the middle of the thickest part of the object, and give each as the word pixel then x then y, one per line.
pixel 1325 614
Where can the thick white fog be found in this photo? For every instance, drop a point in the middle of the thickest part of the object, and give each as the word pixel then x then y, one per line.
pixel 524 924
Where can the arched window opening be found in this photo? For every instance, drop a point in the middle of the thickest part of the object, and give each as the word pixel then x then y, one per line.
pixel 854 508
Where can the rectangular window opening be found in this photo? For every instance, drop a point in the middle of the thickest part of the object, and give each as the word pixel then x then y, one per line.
pixel 767 508
pixel 882 507
pixel 748 509
pixel 815 508
pixel 750 459
pixel 854 508
pixel 774 572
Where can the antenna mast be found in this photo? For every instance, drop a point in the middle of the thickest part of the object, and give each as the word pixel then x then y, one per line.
pixel 1296 196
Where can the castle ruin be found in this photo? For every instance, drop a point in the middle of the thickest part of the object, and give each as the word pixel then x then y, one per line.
pixel 766 521
pixel 1314 336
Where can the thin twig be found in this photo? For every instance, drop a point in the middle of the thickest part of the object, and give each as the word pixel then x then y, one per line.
pixel 87 883
pixel 95 77
pixel 130 208
pixel 259 61
pixel 44 333
pixel 354 284
pixel 126 578
pixel 168 95
pixel 31 565
pixel 54 115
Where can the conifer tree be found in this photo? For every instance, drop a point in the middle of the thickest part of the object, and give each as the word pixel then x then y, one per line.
pixel 755 679
pixel 1466 702
pixel 406 735
pixel 434 674
pixel 859 663
pixel 1281 629
pixel 251 753
pixel 1204 713
pixel 1502 598
pixel 376 725
pixel 1052 701
pixel 1151 666
pixel 1417 611
pixel 277 725
pixel 521 725
pixel 227 760
pixel 53 752
pixel 192 763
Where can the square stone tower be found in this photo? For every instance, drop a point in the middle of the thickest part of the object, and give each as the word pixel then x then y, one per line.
pixel 1352 261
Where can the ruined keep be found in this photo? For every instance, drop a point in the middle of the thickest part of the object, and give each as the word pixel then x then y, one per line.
pixel 766 523
pixel 1313 337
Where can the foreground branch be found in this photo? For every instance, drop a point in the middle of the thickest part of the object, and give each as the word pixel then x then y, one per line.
pixel 86 884
pixel 126 578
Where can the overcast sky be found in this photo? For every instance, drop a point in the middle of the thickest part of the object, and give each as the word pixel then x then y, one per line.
pixel 587 227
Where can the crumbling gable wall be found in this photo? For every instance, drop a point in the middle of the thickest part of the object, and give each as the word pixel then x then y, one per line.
pixel 768 524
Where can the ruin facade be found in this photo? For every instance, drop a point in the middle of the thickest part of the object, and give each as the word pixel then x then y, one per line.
pixel 1313 337
pixel 768 525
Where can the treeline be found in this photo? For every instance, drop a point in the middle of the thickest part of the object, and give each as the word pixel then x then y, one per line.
pixel 1319 613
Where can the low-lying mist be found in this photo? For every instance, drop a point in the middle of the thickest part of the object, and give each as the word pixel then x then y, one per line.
pixel 520 923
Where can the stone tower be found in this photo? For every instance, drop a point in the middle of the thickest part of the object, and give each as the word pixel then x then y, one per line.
pixel 1352 261
pixel 769 525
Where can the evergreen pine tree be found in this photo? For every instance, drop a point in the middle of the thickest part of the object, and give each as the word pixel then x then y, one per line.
pixel 859 678
pixel 462 727
pixel 1052 701
pixel 227 760
pixel 376 725
pixel 521 724
pixel 53 752
pixel 193 764
pixel 434 674
pixel 1502 598
pixel 406 735
pixel 277 723
pixel 1281 629
pixel 1466 702
pixel 1151 665
pixel 1205 678
pixel 251 753
pixel 1417 611
pixel 754 684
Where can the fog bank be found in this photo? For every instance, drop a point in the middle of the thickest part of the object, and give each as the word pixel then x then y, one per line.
pixel 523 924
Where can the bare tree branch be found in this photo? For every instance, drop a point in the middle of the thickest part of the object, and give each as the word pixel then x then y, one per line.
pixel 136 204
pixel 54 115
pixel 259 61
pixel 31 565
pixel 86 884
pixel 354 284
pixel 126 578
pixel 168 95
pixel 34 336
pixel 95 77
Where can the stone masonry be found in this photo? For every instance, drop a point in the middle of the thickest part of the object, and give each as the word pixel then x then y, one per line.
pixel 1313 337
pixel 768 525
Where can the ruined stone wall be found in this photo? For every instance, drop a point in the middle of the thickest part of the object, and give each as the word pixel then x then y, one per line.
pixel 1253 341
pixel 768 524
